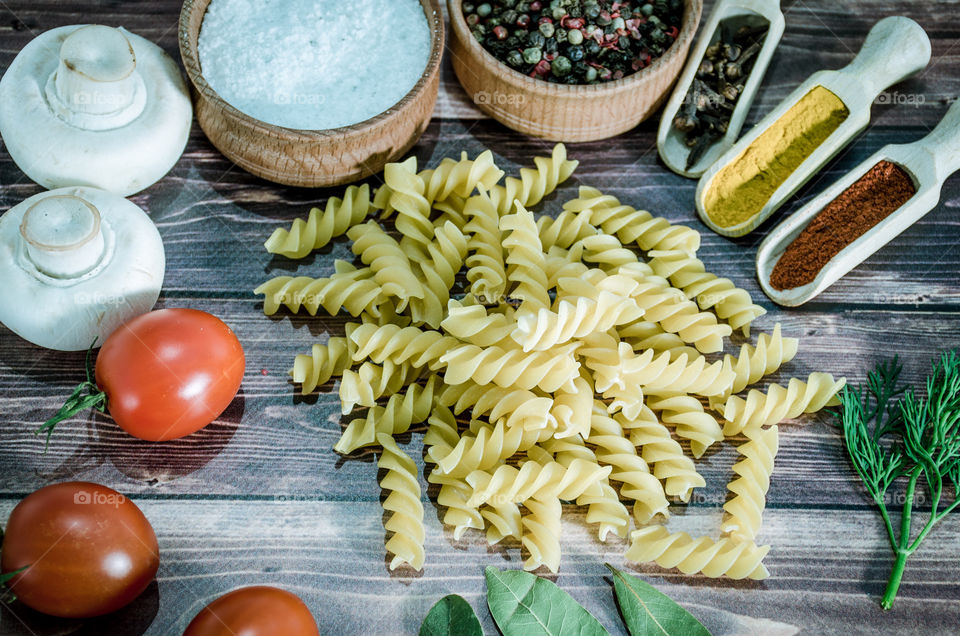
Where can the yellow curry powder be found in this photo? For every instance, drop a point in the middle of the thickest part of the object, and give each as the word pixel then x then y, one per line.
pixel 741 188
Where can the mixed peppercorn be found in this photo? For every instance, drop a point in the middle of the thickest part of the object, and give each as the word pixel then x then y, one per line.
pixel 575 41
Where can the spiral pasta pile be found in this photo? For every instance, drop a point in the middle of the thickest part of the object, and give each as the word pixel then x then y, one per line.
pixel 544 360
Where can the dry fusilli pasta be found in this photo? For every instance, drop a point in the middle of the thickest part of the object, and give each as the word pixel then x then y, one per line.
pixel 726 557
pixel 745 509
pixel 778 403
pixel 630 225
pixel 403 502
pixel 304 236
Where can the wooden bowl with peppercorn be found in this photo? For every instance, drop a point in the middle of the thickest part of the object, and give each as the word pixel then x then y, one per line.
pixel 570 70
pixel 315 156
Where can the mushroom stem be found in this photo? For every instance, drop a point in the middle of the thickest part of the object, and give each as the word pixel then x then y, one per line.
pixel 63 236
pixel 96 85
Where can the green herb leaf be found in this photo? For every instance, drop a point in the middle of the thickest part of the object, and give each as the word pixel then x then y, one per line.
pixel 451 616
pixel 926 446
pixel 648 612
pixel 524 604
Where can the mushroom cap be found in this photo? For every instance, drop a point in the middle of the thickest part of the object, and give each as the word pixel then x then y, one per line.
pixel 124 159
pixel 67 313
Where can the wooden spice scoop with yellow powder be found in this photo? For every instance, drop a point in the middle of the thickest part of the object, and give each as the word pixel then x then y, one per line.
pixel 760 172
pixel 856 216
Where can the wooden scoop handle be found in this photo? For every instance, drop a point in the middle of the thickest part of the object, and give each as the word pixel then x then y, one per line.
pixel 896 48
pixel 943 143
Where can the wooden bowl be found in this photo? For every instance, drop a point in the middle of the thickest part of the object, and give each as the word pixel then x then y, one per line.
pixel 311 158
pixel 563 112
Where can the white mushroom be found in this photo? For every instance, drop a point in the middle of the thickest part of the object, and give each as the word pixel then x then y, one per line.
pixel 94 105
pixel 76 263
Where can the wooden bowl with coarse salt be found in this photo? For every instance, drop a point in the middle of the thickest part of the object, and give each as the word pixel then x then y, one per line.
pixel 565 112
pixel 311 158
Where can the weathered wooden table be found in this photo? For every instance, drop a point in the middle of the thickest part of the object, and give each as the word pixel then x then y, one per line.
pixel 259 497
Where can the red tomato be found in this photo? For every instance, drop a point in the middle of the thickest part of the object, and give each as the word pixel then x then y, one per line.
pixel 254 611
pixel 170 372
pixel 88 550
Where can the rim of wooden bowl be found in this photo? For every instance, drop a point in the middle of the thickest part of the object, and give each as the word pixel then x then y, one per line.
pixel 191 62
pixel 691 20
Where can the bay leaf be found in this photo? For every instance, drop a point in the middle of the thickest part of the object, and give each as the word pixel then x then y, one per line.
pixel 524 604
pixel 451 616
pixel 649 612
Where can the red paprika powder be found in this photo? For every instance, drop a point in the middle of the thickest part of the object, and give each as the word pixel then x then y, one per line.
pixel 874 196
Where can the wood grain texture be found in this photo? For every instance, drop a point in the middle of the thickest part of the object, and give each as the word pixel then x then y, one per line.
pixel 562 112
pixel 260 497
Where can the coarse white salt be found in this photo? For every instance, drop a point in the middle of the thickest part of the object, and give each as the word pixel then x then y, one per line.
pixel 313 64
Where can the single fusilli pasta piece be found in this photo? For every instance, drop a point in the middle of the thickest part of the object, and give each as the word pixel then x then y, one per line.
pixel 630 225
pixel 421 348
pixel 547 370
pixel 728 301
pixel 486 271
pixel 726 557
pixel 686 415
pixel 526 268
pixel 535 480
pixel 663 454
pixel 545 329
pixel 771 352
pixel 371 382
pixel 778 403
pixel 745 510
pixel 489 447
pixel 534 184
pixel 461 178
pixel 438 271
pixel 675 314
pixel 403 502
pixel 408 199
pixel 518 407
pixel 401 412
pixel 541 533
pixel 615 450
pixel 319 228
pixel 323 362
pixel 390 265
pixel 474 324
pixel 348 288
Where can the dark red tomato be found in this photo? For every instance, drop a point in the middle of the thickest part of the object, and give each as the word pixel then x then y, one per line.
pixel 170 372
pixel 88 550
pixel 254 611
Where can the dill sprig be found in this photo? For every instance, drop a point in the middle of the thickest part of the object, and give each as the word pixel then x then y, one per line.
pixel 888 437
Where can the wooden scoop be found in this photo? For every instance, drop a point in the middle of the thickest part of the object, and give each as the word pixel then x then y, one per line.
pixel 753 13
pixel 929 162
pixel 895 48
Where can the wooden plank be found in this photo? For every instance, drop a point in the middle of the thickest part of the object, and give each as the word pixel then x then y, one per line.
pixel 332 555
